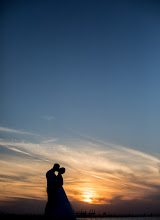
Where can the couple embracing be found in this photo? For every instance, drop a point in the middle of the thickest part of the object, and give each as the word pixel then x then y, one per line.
pixel 58 206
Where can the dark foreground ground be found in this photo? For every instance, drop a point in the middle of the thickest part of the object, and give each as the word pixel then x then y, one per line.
pixel 39 217
pixel 22 217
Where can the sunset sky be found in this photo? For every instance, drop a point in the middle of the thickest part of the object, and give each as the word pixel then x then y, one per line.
pixel 80 87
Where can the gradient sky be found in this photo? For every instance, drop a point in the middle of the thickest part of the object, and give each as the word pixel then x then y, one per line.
pixel 80 86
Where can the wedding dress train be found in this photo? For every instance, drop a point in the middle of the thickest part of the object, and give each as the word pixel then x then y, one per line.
pixel 62 209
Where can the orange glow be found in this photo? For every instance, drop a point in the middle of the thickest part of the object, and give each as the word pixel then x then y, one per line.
pixel 90 177
pixel 88 198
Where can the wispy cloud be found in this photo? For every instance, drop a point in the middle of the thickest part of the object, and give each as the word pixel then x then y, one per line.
pixel 48 117
pixel 31 149
pixel 15 131
pixel 19 151
pixel 50 141
pixel 105 169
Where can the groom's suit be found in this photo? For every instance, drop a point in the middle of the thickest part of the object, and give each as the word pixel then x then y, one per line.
pixel 52 184
pixel 51 179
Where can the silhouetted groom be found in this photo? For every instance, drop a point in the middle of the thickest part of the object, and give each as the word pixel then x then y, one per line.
pixel 52 184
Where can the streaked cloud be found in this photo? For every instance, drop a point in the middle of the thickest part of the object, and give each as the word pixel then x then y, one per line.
pixel 96 171
pixel 50 141
pixel 48 117
pixel 19 151
pixel 15 131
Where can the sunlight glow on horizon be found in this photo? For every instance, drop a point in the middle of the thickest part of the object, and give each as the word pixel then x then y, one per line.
pixel 95 174
pixel 88 198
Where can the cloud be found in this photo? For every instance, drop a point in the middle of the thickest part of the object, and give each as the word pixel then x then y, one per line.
pixel 48 117
pixel 11 178
pixel 138 153
pixel 50 141
pixel 15 131
pixel 105 170
pixel 19 151
pixel 27 148
pixel 23 206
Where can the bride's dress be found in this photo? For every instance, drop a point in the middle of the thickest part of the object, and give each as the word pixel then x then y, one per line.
pixel 62 209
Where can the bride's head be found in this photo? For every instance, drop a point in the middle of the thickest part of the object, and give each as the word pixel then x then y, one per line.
pixel 62 170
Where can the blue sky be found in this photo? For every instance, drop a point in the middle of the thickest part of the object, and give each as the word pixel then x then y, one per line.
pixel 93 66
pixel 75 72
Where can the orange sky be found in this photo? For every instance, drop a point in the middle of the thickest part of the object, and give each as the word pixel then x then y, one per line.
pixel 96 172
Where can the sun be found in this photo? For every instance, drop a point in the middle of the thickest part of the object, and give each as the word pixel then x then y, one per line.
pixel 88 198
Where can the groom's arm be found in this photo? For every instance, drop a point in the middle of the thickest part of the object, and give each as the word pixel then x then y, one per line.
pixel 51 179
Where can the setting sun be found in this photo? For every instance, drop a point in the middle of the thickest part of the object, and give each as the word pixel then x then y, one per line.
pixel 88 198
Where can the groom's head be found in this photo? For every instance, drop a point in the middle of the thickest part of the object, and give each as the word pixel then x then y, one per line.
pixel 56 167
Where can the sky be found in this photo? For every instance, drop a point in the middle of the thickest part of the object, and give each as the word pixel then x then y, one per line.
pixel 80 86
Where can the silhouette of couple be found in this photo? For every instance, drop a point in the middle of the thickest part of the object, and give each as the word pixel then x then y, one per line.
pixel 58 206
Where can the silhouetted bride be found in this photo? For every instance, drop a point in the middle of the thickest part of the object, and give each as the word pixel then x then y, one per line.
pixel 61 209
